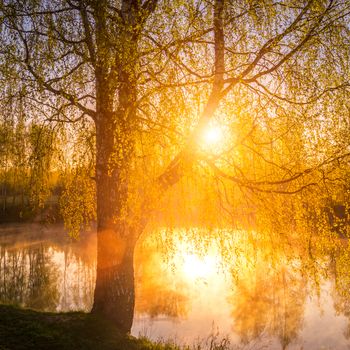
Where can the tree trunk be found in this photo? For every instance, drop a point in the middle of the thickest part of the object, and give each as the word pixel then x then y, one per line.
pixel 114 296
pixel 114 291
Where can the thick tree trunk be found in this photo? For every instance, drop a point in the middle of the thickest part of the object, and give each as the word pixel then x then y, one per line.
pixel 115 292
pixel 115 141
pixel 114 296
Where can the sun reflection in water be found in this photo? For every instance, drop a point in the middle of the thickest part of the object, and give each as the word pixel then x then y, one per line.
pixel 198 267
pixel 256 293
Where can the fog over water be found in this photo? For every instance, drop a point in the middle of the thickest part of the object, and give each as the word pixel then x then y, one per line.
pixel 186 293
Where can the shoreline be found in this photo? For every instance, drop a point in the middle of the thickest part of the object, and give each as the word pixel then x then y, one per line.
pixel 29 329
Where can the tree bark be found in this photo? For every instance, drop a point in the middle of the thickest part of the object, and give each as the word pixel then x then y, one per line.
pixel 114 291
pixel 114 296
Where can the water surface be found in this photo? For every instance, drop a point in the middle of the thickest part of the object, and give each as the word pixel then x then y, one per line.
pixel 187 290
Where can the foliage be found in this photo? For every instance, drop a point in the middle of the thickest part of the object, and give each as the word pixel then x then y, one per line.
pixel 28 155
pixel 133 87
pixel 77 203
pixel 283 118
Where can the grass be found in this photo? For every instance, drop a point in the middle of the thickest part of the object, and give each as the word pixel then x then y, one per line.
pixel 28 329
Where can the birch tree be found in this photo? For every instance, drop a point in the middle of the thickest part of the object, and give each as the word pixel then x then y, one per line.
pixel 150 77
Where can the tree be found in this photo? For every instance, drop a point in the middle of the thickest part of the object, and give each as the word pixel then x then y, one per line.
pixel 153 75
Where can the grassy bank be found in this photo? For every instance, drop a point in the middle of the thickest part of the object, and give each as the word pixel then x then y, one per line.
pixel 28 329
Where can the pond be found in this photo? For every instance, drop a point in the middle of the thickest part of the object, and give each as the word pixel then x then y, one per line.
pixel 190 290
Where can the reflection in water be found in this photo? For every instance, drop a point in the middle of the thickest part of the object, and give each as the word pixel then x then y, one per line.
pixel 254 292
pixel 27 278
pixel 270 302
pixel 341 286
pixel 44 270
pixel 158 293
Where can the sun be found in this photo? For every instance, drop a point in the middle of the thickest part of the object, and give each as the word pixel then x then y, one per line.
pixel 212 135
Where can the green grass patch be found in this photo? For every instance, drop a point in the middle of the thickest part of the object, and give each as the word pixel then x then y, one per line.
pixel 28 329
